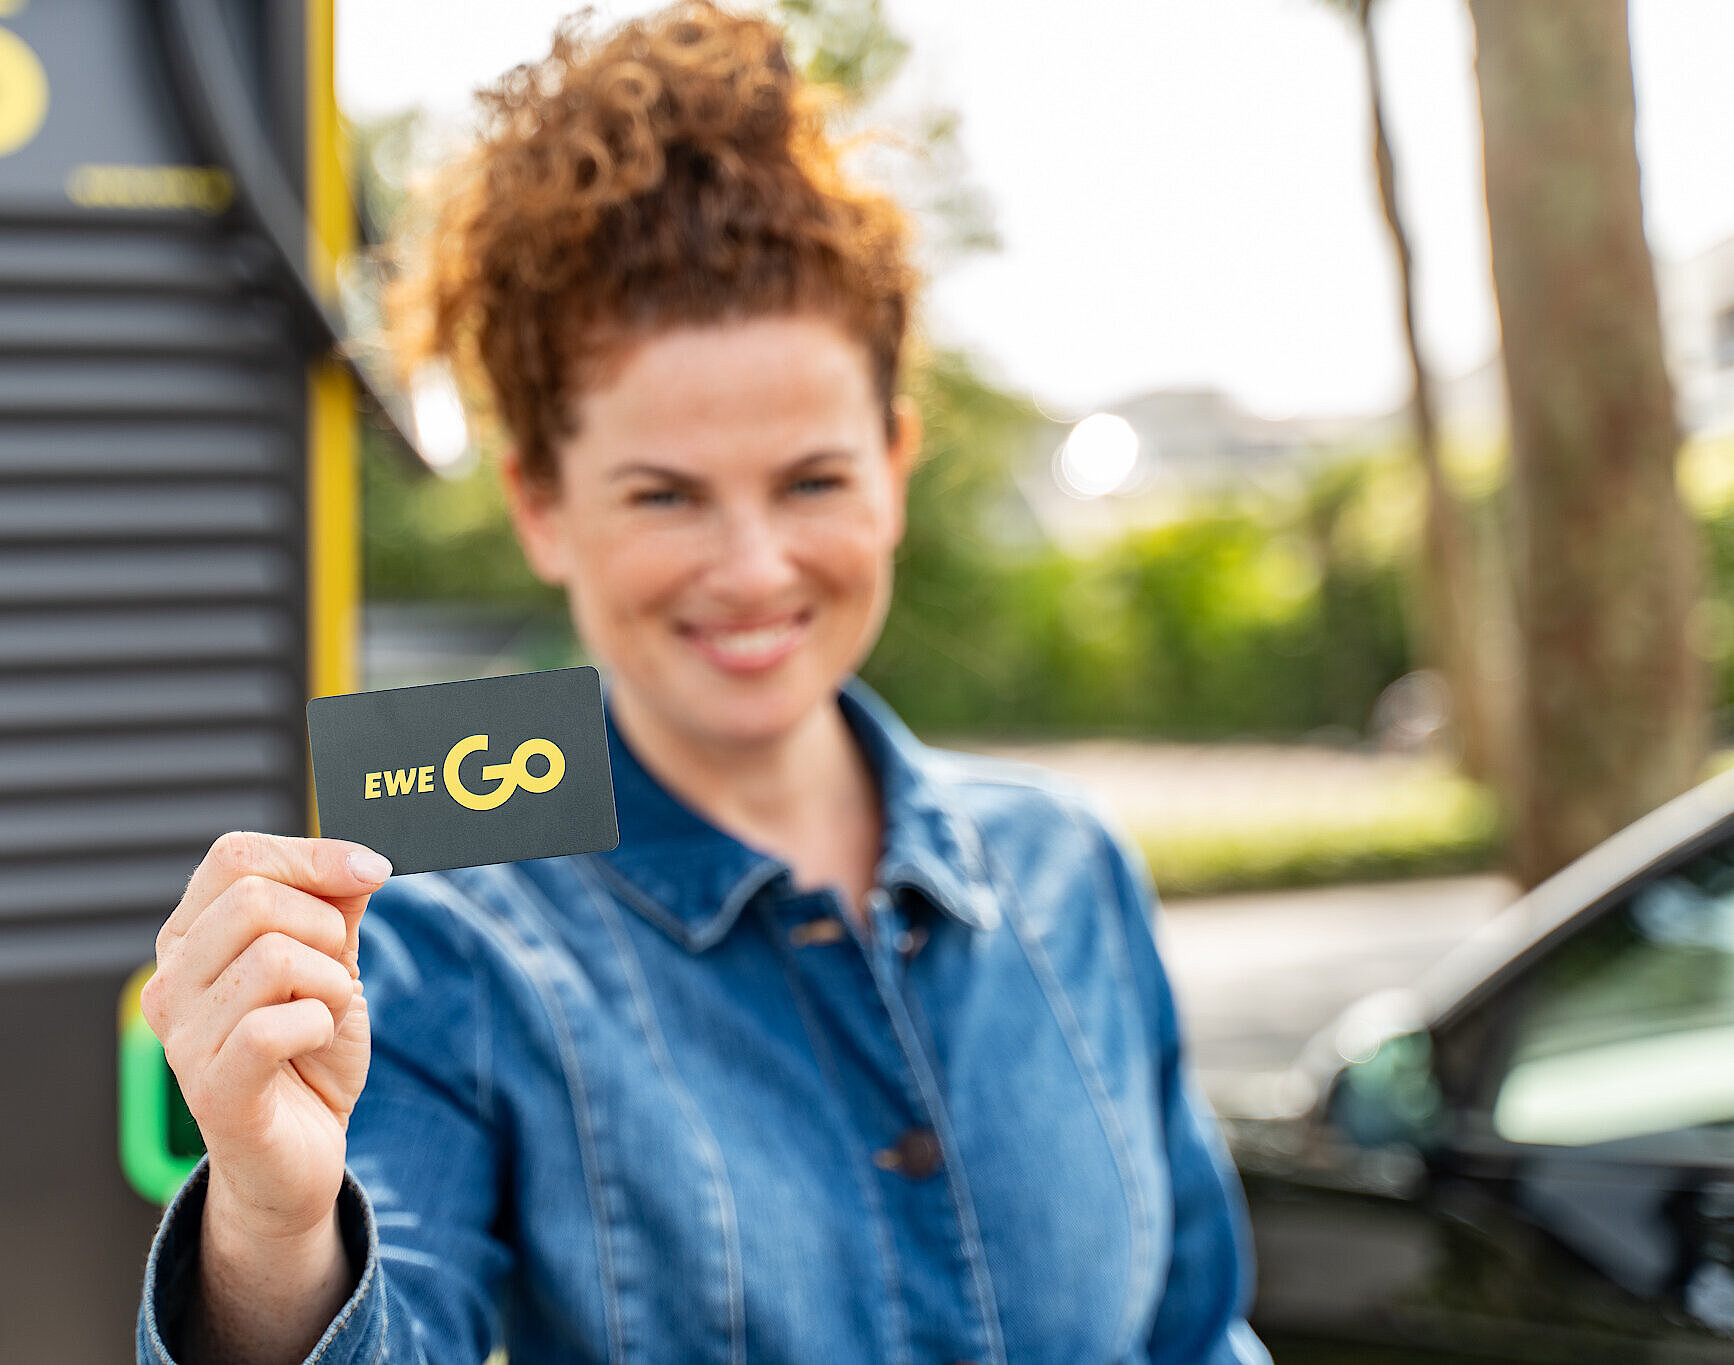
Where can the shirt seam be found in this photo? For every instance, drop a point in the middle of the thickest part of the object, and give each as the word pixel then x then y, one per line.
pixel 577 1094
pixel 712 1153
pixel 932 1100
pixel 1090 1072
pixel 863 1164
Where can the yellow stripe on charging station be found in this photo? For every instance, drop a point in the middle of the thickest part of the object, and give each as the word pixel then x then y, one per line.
pixel 333 477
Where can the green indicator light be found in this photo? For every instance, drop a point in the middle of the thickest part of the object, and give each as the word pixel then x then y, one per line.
pixel 159 1141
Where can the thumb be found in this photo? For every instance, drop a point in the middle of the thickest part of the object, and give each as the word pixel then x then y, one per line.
pixel 328 868
pixel 338 1072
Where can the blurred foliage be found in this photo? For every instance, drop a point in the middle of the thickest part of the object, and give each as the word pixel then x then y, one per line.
pixel 1706 478
pixel 427 538
pixel 385 152
pixel 1264 615
pixel 1437 825
pixel 848 45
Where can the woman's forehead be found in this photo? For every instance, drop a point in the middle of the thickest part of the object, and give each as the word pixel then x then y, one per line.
pixel 794 379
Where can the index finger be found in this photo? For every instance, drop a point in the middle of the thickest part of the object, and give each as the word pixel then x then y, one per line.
pixel 334 869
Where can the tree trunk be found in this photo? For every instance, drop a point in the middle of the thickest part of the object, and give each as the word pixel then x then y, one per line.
pixel 1613 710
pixel 1449 572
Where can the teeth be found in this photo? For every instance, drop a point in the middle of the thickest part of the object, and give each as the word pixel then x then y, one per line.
pixel 747 642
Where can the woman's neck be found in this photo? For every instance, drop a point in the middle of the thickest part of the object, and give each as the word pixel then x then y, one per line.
pixel 807 797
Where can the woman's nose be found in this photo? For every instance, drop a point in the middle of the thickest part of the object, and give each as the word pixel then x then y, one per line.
pixel 753 561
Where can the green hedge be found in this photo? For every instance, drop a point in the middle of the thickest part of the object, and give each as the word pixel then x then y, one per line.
pixel 1264 617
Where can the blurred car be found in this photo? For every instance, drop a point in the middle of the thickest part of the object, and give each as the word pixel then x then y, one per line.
pixel 1528 1156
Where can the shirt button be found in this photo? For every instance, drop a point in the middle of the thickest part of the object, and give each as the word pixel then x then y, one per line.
pixel 815 932
pixel 916 1155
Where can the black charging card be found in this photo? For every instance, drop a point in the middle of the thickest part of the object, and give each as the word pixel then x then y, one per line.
pixel 458 774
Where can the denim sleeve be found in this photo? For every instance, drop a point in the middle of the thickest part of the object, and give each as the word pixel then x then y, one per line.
pixel 1202 1318
pixel 171 1274
pixel 420 1199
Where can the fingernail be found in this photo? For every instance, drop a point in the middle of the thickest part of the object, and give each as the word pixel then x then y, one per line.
pixel 367 866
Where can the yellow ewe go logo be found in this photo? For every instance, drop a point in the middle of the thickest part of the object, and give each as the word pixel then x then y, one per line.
pixel 507 777
pixel 510 776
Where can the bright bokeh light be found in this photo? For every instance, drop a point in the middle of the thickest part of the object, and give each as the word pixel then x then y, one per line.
pixel 1098 457
pixel 441 430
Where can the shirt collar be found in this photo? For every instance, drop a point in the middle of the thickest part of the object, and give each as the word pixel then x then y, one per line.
pixel 692 880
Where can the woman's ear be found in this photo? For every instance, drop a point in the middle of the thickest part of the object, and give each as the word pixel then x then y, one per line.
pixel 904 452
pixel 534 506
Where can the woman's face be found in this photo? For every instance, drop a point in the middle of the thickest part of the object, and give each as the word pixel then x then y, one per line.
pixel 724 524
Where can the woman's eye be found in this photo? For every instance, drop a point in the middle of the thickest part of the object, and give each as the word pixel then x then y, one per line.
pixel 658 497
pixel 815 483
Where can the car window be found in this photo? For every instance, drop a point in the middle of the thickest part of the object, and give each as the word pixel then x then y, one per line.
pixel 1626 1030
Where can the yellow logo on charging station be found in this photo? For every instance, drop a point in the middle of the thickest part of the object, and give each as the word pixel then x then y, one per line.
pixel 508 777
pixel 23 92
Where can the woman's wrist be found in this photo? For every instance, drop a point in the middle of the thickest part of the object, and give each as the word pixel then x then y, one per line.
pixel 266 1293
pixel 248 1220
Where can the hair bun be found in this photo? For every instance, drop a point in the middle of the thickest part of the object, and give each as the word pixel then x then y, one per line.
pixel 709 82
pixel 676 170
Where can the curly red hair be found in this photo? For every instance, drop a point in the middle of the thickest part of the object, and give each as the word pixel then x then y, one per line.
pixel 674 172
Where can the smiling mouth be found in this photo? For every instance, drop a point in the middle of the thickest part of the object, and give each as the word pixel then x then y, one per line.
pixel 751 648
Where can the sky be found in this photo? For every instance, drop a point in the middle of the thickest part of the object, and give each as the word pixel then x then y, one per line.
pixel 1184 188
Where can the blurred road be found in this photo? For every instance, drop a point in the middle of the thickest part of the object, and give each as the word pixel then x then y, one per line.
pixel 1257 975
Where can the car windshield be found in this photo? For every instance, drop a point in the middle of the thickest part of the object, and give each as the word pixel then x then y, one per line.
pixel 1627 1029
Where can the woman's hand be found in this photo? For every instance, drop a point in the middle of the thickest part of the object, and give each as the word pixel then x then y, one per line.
pixel 257 1000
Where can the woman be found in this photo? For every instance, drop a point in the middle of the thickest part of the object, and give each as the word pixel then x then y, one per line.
pixel 852 1050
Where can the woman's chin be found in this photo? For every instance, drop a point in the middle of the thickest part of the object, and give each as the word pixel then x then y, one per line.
pixel 749 711
pixel 751 723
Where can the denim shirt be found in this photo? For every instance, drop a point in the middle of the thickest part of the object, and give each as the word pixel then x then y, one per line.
pixel 660 1104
